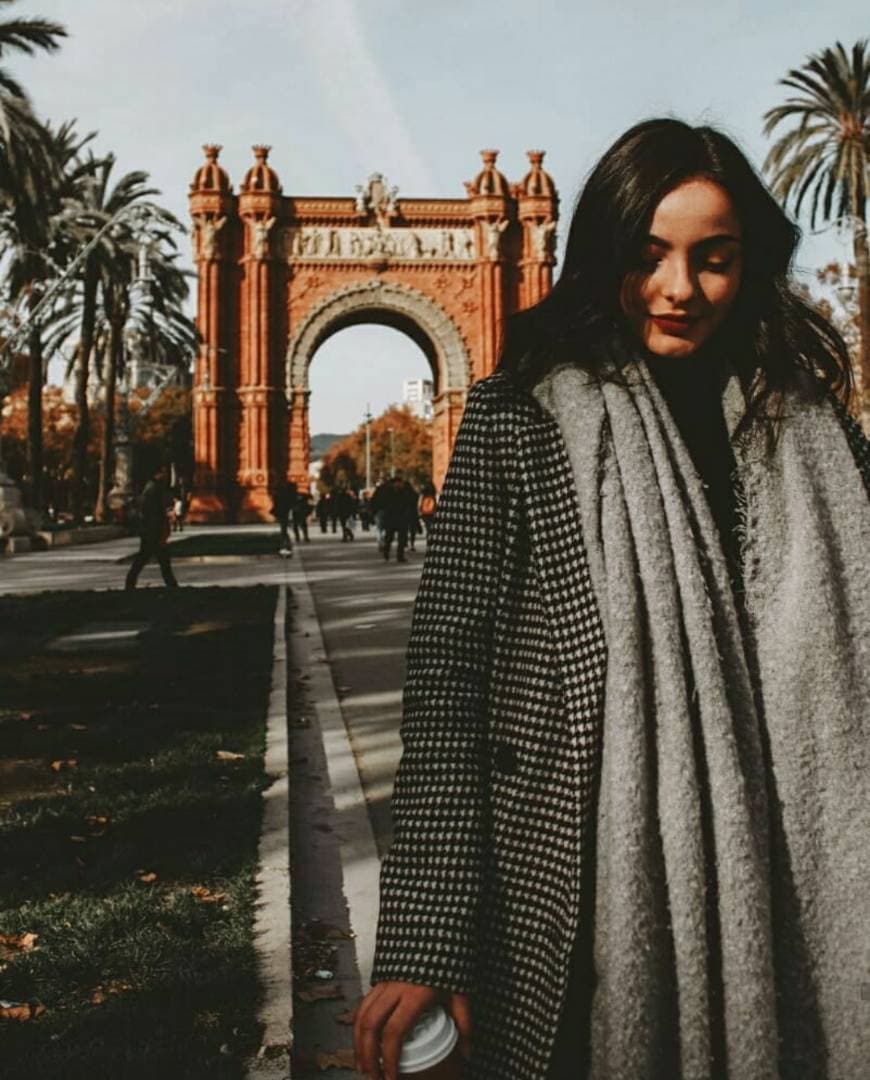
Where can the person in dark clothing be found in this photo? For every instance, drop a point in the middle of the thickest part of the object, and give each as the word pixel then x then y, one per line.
pixel 323 510
pixel 395 501
pixel 154 531
pixel 283 503
pixel 376 509
pixel 345 505
pixel 301 510
pixel 427 506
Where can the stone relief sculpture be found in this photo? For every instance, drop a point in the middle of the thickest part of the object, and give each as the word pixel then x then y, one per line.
pixel 205 237
pixel 312 242
pixel 543 236
pixel 261 229
pixel 378 198
pixel 492 233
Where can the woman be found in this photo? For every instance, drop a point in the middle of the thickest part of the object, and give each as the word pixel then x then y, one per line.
pixel 631 817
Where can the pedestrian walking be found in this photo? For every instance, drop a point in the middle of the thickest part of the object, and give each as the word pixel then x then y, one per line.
pixel 154 530
pixel 632 814
pixel 345 506
pixel 394 504
pixel 323 510
pixel 283 502
pixel 178 511
pixel 427 506
pixel 376 506
pixel 409 506
pixel 300 513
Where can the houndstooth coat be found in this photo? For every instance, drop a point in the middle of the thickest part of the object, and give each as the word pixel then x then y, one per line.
pixel 495 796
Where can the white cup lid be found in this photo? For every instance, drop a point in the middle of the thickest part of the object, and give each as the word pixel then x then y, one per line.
pixel 431 1040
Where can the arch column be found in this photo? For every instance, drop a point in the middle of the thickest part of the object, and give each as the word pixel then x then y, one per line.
pixel 213 404
pixel 299 441
pixel 261 399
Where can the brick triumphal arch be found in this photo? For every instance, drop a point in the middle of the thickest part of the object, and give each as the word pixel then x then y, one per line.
pixel 279 274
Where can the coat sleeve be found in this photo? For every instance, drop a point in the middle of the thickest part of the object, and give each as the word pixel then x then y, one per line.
pixel 431 877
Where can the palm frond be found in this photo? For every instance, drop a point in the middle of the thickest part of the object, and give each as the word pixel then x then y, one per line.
pixel 28 35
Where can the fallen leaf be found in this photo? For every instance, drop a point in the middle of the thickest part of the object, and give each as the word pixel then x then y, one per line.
pixel 100 993
pixel 79 839
pixel 321 993
pixel 146 877
pixel 43 727
pixel 325 974
pixel 96 821
pixel 13 944
pixel 78 727
pixel 337 932
pixel 20 1010
pixel 335 1059
pixel 346 1017
pixel 205 896
pixel 68 763
pixel 81 862
pixel 228 755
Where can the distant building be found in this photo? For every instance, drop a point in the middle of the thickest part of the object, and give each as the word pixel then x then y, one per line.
pixel 417 395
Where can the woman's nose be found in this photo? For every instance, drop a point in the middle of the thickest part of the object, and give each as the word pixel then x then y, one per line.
pixel 678 285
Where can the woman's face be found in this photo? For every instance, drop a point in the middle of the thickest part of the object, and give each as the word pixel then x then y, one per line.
pixel 689 272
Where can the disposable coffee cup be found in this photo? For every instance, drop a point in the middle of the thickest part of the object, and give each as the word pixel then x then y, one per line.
pixel 429 1052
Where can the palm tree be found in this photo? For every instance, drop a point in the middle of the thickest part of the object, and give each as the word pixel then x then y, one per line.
pixel 86 216
pixel 25 152
pixel 33 252
pixel 826 157
pixel 26 160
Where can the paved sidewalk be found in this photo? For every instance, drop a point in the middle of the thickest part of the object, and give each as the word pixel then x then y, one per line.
pixel 101 566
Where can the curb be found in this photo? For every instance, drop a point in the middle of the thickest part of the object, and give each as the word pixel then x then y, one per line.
pixel 360 862
pixel 272 922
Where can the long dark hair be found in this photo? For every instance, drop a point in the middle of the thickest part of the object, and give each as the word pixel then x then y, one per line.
pixel 772 333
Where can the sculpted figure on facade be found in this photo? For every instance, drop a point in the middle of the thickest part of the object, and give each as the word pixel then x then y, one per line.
pixel 492 234
pixel 543 235
pixel 261 229
pixel 206 231
pixel 378 198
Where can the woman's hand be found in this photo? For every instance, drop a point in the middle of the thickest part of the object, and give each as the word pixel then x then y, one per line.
pixel 385 1016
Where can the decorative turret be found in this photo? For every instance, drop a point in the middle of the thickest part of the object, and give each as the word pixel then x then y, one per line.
pixel 536 181
pixel 489 181
pixel 210 177
pixel 537 210
pixel 261 177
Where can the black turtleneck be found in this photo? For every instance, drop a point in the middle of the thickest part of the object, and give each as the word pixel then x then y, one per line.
pixel 692 388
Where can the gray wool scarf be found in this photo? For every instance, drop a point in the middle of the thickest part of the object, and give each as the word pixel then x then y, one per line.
pixel 733 842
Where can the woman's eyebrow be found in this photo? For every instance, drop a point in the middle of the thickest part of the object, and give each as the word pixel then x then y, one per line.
pixel 708 241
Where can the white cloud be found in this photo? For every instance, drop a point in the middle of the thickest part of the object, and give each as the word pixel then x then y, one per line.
pixel 358 95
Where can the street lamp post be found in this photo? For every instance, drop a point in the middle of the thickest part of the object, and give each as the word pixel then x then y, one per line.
pixel 368 419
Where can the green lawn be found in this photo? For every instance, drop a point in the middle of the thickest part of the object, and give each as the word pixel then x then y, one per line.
pixel 135 865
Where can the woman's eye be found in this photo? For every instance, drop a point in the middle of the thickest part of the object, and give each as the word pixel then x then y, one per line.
pixel 716 266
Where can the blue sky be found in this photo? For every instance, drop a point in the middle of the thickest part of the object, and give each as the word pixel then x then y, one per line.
pixel 413 89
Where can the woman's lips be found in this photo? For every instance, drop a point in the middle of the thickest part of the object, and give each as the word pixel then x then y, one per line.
pixel 678 325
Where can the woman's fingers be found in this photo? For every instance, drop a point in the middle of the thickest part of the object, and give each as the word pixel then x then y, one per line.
pixel 401 1020
pixel 459 1007
pixel 384 1018
pixel 370 1017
